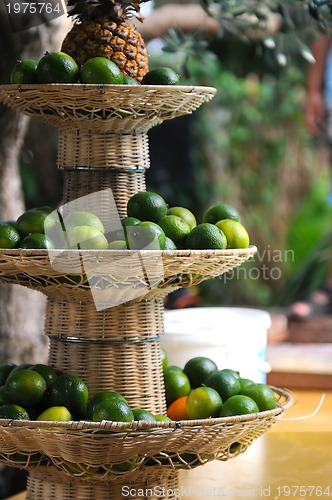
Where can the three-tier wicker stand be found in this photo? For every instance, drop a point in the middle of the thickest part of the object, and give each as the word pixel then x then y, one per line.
pixel 105 308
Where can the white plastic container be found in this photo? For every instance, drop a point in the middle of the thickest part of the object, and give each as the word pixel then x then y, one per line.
pixel 233 337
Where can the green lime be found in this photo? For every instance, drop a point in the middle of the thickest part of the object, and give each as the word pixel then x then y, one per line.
pixel 13 411
pixel 146 235
pixel 24 72
pixel 262 394
pixel 185 214
pixel 118 245
pixel 219 212
pixel 9 236
pixel 56 414
pixel 245 382
pixel 46 372
pixel 169 244
pixel 198 369
pixel 206 236
pixel 69 391
pixel 203 402
pixel 175 228
pixel 162 418
pixel 57 67
pixel 82 218
pixel 236 234
pixel 176 385
pixel 116 410
pixel 238 405
pixel 25 388
pixel 128 80
pixel 146 206
pixel 164 358
pixel 3 397
pixel 232 372
pixel 5 370
pixel 21 366
pixel 87 237
pixel 37 241
pixel 161 76
pixel 224 382
pixel 130 221
pixel 100 70
pixel 35 221
pixel 99 397
pixel 174 368
pixel 140 414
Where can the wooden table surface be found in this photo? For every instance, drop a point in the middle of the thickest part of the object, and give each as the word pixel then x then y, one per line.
pixel 292 460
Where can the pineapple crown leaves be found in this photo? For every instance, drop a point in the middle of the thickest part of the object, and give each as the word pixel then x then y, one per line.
pixel 94 9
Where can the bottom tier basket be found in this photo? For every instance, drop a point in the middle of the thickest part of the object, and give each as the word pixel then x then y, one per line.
pixel 109 451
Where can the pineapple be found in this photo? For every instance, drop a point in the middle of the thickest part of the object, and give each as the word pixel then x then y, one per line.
pixel 103 28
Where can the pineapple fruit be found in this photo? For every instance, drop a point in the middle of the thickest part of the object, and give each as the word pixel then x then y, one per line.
pixel 103 28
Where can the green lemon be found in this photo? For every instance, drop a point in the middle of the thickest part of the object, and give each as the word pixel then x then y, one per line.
pixel 128 80
pixel 82 218
pixel 117 245
pixel 100 397
pixel 57 67
pixel 13 411
pixel 185 214
pixel 175 228
pixel 238 405
pixel 164 358
pixel 37 241
pixel 3 397
pixel 25 388
pixel 220 211
pixel 69 391
pixel 9 236
pixel 146 206
pixel 198 369
pixel 206 236
pixel 262 394
pixel 146 235
pixel 100 70
pixel 46 372
pixel 56 414
pixel 236 234
pixel 169 244
pixel 116 410
pixel 203 402
pixel 5 370
pixel 162 418
pixel 24 71
pixel 161 76
pixel 176 385
pixel 224 382
pixel 141 414
pixel 87 237
pixel 35 221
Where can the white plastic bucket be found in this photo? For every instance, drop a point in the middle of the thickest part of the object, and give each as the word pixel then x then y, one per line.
pixel 233 337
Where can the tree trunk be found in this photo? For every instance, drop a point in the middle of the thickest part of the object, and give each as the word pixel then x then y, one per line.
pixel 21 310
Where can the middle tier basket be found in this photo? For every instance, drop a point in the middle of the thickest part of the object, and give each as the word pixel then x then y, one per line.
pixel 105 310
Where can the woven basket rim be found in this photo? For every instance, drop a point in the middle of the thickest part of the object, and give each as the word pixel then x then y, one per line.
pixel 132 89
pixel 252 249
pixel 141 425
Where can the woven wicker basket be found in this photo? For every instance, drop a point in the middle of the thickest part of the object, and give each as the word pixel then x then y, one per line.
pixel 115 276
pixel 109 450
pixel 116 108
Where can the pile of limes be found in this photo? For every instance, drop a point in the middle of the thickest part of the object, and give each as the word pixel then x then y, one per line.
pixel 59 67
pixel 38 392
pixel 150 225
pixel 201 390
